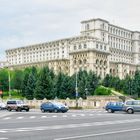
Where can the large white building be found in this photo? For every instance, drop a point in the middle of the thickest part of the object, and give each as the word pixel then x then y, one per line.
pixel 101 47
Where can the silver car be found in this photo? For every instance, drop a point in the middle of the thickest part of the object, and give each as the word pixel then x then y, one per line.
pixel 131 106
pixel 2 106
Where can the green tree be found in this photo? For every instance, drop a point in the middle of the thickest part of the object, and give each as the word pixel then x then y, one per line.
pixel 82 80
pixel 31 84
pixel 92 83
pixel 107 80
pixel 45 85
pixel 136 84
pixel 127 85
pixel 63 86
pixel 17 79
pixel 4 79
pixel 26 73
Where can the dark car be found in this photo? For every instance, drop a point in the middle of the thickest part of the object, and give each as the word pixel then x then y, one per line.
pixel 53 107
pixel 111 107
pixel 17 105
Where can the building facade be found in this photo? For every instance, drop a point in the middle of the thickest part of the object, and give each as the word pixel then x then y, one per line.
pixel 3 64
pixel 101 47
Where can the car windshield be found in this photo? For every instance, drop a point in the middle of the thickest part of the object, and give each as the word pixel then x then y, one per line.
pixel 59 104
pixel 20 102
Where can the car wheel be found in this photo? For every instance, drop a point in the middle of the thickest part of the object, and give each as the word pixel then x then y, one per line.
pixel 9 109
pixel 55 110
pixel 18 109
pixel 27 110
pixel 42 110
pixel 110 110
pixel 130 111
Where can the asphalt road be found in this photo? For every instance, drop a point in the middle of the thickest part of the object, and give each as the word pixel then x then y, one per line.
pixel 73 125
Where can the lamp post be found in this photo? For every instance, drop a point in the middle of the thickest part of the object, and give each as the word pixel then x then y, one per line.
pixel 130 88
pixel 76 89
pixel 9 79
pixel 86 92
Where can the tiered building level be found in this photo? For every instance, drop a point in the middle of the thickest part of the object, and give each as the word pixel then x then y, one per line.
pixel 101 47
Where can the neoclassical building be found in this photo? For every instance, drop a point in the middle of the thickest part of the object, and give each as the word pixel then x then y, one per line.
pixel 101 47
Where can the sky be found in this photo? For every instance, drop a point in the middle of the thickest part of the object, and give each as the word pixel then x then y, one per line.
pixel 26 22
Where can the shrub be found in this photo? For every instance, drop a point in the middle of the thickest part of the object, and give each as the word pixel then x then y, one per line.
pixel 102 91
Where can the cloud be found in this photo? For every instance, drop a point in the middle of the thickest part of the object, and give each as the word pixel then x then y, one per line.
pixel 32 21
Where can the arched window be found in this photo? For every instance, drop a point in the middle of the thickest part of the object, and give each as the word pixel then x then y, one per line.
pixel 85 61
pixel 59 69
pixel 101 62
pixel 105 63
pixel 87 27
pixel 97 61
pixel 80 46
pixel 85 45
pixel 101 47
pixel 80 62
pixel 97 46
pixel 74 61
pixel 75 47
pixel 114 72
pixel 111 71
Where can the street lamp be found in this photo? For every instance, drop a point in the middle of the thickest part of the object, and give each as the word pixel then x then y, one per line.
pixel 86 92
pixel 130 88
pixel 76 89
pixel 9 79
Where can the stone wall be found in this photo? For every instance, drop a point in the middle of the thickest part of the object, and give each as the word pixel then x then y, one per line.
pixel 89 103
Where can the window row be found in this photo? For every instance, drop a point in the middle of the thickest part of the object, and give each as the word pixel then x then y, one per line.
pixel 101 47
pixel 120 46
pixel 120 32
pixel 80 46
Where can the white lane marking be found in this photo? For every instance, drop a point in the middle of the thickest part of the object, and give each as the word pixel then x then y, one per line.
pixel 20 117
pixel 7 118
pixel 32 117
pixel 3 131
pixel 73 115
pixel 3 138
pixel 43 116
pixel 90 114
pixel 98 134
pixel 64 116
pixel 82 115
pixel 6 114
pixel 54 116
pixel 68 126
pixel 21 130
pixel 99 114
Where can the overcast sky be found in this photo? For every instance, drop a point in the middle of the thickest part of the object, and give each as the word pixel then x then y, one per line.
pixel 25 22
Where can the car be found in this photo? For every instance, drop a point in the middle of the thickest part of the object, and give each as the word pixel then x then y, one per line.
pixel 2 106
pixel 53 107
pixel 17 105
pixel 131 106
pixel 111 107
